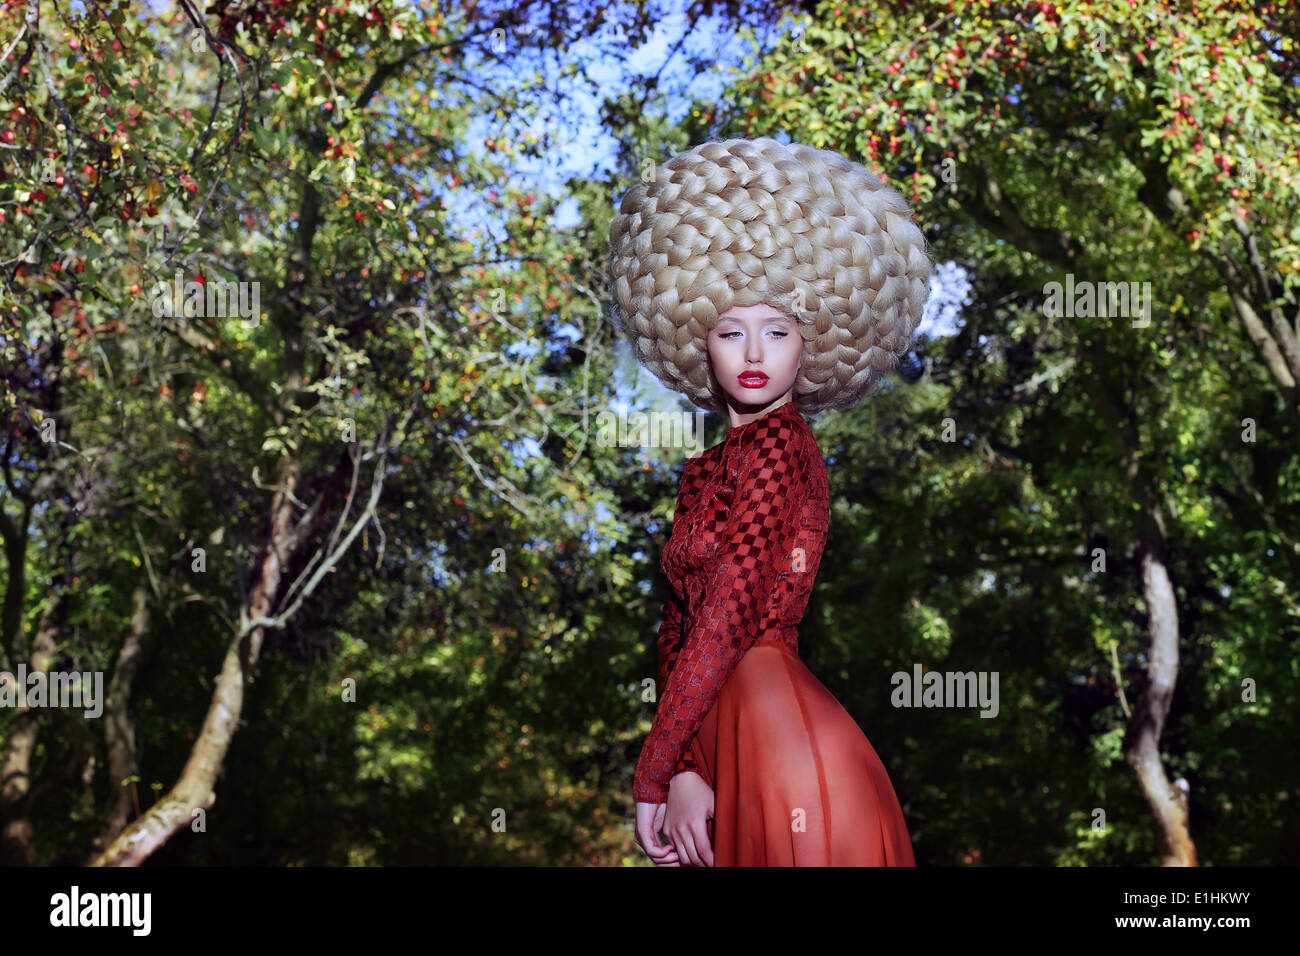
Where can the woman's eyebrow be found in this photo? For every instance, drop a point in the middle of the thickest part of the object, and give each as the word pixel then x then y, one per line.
pixel 766 318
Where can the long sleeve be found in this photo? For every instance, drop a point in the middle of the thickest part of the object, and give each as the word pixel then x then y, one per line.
pixel 669 645
pixel 752 554
pixel 669 641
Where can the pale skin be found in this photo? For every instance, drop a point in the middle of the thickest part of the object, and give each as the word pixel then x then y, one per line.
pixel 744 339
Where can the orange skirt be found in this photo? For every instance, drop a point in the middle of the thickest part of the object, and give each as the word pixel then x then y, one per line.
pixel 795 781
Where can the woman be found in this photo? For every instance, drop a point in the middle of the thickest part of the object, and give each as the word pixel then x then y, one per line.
pixel 767 281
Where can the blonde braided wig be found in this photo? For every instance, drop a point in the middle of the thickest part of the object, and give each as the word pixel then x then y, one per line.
pixel 742 222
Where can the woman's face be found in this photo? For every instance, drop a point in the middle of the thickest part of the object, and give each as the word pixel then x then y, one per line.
pixel 754 352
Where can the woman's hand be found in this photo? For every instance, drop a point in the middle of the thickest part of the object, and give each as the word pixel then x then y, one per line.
pixel 690 806
pixel 649 821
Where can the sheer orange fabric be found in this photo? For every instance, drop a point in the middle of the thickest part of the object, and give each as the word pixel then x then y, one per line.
pixel 796 782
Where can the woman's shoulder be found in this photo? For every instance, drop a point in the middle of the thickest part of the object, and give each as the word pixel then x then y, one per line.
pixel 699 468
pixel 701 457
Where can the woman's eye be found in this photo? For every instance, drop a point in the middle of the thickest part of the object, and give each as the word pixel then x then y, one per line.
pixel 776 332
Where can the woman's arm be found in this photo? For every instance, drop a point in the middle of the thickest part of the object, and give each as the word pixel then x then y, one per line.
pixel 669 646
pixel 668 643
pixel 752 553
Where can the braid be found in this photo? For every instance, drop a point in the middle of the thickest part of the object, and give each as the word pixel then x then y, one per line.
pixel 744 222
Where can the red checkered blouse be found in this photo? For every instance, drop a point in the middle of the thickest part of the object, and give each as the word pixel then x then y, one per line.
pixel 748 532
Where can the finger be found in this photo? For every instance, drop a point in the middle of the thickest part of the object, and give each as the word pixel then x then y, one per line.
pixel 659 848
pixel 686 849
pixel 649 842
pixel 657 824
pixel 661 851
pixel 704 847
pixel 670 857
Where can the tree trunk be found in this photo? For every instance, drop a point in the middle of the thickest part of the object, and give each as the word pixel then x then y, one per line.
pixel 15 535
pixel 195 791
pixel 18 841
pixel 119 728
pixel 1142 736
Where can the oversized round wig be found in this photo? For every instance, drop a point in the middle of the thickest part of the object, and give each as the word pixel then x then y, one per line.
pixel 742 222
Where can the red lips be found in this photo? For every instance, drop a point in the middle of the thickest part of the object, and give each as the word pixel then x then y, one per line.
pixel 752 379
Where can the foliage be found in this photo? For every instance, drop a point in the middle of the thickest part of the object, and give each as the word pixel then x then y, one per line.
pixel 370 166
